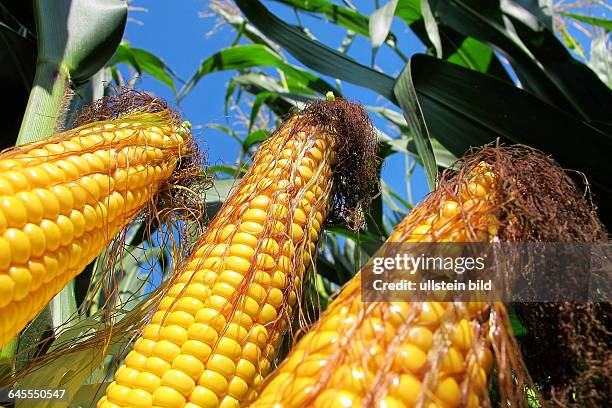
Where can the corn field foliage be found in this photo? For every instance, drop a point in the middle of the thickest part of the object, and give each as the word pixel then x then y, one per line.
pixel 555 90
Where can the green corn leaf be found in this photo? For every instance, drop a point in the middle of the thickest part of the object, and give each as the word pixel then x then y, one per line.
pixel 312 53
pixel 144 61
pixel 250 56
pixel 604 23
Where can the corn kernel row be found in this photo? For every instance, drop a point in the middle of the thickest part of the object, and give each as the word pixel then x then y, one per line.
pixel 398 354
pixel 215 333
pixel 62 200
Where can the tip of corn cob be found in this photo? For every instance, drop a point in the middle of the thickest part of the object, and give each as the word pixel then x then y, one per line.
pixel 356 164
pixel 125 102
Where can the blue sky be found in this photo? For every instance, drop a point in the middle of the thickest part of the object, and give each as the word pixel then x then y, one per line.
pixel 176 33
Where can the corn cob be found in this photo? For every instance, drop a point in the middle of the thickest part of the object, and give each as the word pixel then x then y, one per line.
pixel 381 354
pixel 62 200
pixel 214 335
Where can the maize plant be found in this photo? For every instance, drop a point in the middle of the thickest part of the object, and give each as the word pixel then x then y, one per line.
pixel 214 335
pixel 63 199
pixel 360 355
pixel 428 353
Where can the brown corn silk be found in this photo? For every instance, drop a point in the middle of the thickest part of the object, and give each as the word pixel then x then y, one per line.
pixel 215 333
pixel 399 354
pixel 432 354
pixel 63 199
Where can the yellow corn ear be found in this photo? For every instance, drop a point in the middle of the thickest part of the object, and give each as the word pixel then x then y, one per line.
pixel 379 354
pixel 214 335
pixel 62 200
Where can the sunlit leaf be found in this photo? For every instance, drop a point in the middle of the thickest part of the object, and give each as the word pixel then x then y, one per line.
pixel 463 108
pixel 408 100
pixel 312 53
pixel 431 26
pixel 250 56
pixel 144 61
pixel 599 22
pixel 380 25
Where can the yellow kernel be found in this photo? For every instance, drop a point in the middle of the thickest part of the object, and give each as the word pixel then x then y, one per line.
pixel 250 227
pixel 196 348
pixel 188 304
pixel 19 245
pixel 32 205
pixel 125 376
pixel 431 312
pixel 221 364
pixel 66 229
pixel 224 291
pixel 79 195
pixel 69 169
pixel 259 336
pixel 37 239
pixel 448 391
pixel 407 389
pixel 5 254
pixel 229 347
pixel 265 262
pixel 450 209
pixel 78 222
pixel 178 380
pixel 189 365
pixel 236 332
pixel 147 381
pixel 245 239
pixel 91 188
pixel 275 297
pixel 297 232
pixel 452 361
pixel 7 289
pixel 17 180
pixel 144 346
pixel 204 397
pixel 6 188
pixel 411 357
pixel 242 251
pixel 229 402
pixel 135 360
pixel 23 280
pixel 421 337
pixel 213 381
pixel 156 365
pixel 179 318
pixel 52 234
pixel 232 278
pixel 203 332
pixel 237 264
pixel 238 388
pixel 49 202
pixel 268 314
pixel 211 316
pixel 227 231
pixel 37 177
pixel 151 332
pixel 462 335
pixel 64 198
pixel 117 393
pixel 476 190
pixel 198 291
pixel 14 211
pixel 166 350
pixel 174 333
pixel 137 398
pixel 245 369
pixel 255 215
pixel 279 279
